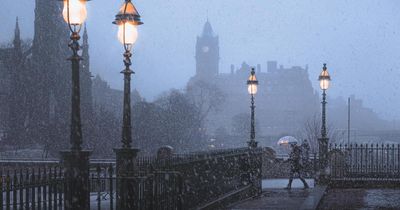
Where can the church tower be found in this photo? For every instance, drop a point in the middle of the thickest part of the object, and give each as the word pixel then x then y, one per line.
pixel 16 117
pixel 50 83
pixel 207 53
pixel 17 38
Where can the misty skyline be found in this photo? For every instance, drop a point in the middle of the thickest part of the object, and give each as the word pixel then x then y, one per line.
pixel 360 42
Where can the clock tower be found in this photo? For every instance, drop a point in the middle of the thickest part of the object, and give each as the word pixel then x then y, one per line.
pixel 207 53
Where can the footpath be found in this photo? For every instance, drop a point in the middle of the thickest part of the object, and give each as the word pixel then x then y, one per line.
pixel 279 198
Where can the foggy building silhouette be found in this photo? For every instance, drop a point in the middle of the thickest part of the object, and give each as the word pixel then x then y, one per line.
pixel 284 101
pixel 14 66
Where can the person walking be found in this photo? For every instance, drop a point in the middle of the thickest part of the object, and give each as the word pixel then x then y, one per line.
pixel 295 166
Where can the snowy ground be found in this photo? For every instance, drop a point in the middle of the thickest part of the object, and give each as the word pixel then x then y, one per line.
pixel 266 184
pixel 282 183
pixel 361 199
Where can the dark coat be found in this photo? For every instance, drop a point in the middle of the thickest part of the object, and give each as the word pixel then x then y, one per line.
pixel 294 158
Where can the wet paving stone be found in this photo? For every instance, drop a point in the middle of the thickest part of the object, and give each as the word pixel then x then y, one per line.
pixel 360 199
pixel 276 199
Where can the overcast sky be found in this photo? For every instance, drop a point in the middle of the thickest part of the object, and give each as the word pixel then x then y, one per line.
pixel 360 41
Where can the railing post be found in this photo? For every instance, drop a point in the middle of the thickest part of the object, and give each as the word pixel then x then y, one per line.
pixel 98 170
pixel 21 190
pixel 33 188
pixel 50 184
pixel 45 184
pixel 55 188
pixel 76 176
pixel 39 191
pixel 110 179
pixel 8 203
pixel 60 187
pixel 27 193
pixel 125 166
pixel 14 187
pixel 323 160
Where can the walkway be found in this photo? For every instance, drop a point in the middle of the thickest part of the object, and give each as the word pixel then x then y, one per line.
pixel 275 197
pixel 361 199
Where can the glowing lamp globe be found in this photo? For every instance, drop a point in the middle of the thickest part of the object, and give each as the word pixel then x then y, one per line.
pixel 324 78
pixel 127 33
pixel 252 83
pixel 74 11
pixel 127 20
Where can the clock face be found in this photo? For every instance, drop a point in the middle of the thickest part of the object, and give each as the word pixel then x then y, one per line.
pixel 205 49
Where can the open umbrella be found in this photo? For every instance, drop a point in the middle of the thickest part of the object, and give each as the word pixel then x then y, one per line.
pixel 286 140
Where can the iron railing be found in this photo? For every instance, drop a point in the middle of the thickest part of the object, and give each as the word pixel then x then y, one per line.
pixel 184 181
pixel 32 189
pixel 369 161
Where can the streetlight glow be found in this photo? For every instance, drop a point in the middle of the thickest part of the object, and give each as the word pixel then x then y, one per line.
pixel 127 33
pixel 324 78
pixel 252 83
pixel 127 20
pixel 74 11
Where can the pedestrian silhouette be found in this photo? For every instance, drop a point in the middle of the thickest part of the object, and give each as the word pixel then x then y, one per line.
pixel 295 165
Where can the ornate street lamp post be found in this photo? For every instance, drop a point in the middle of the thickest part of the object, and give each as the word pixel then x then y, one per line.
pixel 252 84
pixel 324 80
pixel 127 21
pixel 76 161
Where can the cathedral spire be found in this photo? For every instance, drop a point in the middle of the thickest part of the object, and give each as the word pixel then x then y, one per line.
pixel 86 79
pixel 85 53
pixel 17 35
pixel 85 44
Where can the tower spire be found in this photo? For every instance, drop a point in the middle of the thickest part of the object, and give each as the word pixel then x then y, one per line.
pixel 85 44
pixel 207 30
pixel 17 35
pixel 86 79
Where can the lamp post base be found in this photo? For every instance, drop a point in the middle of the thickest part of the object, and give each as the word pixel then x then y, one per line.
pixel 76 175
pixel 125 169
pixel 323 161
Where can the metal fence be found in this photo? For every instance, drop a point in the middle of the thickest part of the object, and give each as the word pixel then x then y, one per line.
pixel 32 189
pixel 205 177
pixel 372 161
pixel 186 181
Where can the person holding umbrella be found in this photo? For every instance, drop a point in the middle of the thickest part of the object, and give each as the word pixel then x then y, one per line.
pixel 295 166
